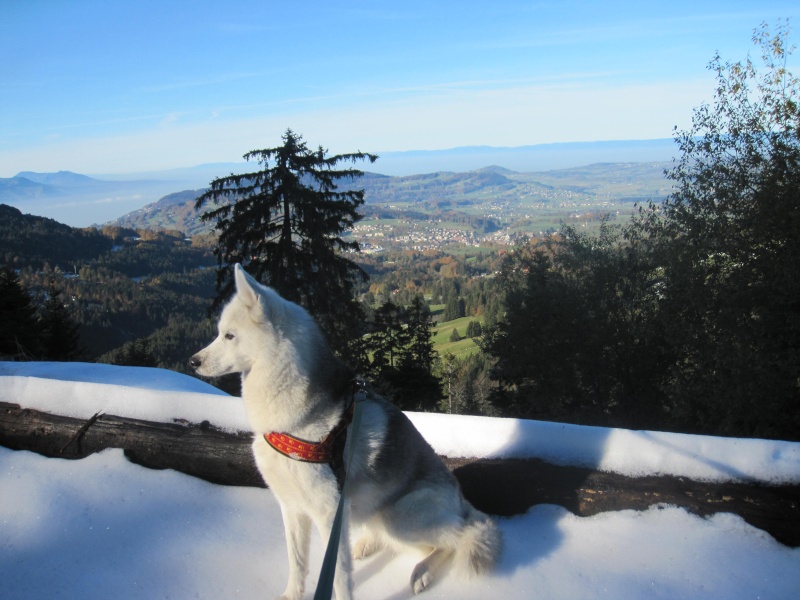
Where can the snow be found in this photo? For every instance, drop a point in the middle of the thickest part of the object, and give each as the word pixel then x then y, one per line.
pixel 632 453
pixel 83 389
pixel 102 527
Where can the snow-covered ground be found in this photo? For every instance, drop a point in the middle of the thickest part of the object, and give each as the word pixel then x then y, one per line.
pixel 102 527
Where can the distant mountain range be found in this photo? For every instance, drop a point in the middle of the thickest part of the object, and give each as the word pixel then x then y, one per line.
pixel 502 193
pixel 81 200
pixel 526 159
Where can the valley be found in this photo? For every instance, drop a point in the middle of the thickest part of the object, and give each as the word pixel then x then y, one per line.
pixel 446 211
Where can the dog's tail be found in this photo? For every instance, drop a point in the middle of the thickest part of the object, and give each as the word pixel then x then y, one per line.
pixel 480 544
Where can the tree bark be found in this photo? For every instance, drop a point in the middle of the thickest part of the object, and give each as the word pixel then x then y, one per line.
pixel 499 487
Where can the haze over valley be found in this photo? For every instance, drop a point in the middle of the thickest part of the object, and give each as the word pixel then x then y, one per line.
pixel 459 199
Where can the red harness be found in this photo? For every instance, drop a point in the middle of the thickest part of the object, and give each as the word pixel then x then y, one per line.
pixel 312 452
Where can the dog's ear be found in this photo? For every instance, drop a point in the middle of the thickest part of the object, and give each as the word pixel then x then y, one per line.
pixel 244 286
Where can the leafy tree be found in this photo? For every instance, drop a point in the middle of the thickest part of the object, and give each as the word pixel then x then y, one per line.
pixel 689 317
pixel 578 342
pixel 284 223
pixel 730 237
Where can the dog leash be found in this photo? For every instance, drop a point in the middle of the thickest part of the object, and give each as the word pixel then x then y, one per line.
pixel 325 584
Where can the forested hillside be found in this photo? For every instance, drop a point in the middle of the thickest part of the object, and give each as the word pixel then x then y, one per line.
pixel 117 286
pixel 29 241
pixel 142 298
pixel 481 202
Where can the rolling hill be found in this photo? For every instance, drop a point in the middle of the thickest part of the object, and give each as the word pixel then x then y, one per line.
pixel 483 200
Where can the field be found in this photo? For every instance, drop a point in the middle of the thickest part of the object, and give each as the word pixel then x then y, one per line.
pixel 459 349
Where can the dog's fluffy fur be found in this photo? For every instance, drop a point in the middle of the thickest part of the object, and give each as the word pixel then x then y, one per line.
pixel 397 487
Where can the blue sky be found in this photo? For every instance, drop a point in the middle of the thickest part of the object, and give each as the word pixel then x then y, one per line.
pixel 118 87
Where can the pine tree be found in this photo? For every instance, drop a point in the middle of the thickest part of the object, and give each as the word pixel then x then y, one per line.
pixel 420 352
pixel 285 222
pixel 471 329
pixel 454 308
pixel 389 338
pixel 19 331
pixel 60 337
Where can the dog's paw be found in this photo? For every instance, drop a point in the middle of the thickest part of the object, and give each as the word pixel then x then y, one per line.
pixel 364 547
pixel 421 578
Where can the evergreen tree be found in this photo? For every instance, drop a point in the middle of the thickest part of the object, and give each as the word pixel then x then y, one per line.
pixel 19 331
pixel 420 352
pixel 60 337
pixel 284 223
pixel 470 329
pixel 388 339
pixel 474 329
pixel 454 308
pixel 417 387
pixel 137 353
pixel 402 356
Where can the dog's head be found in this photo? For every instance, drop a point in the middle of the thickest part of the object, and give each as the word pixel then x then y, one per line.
pixel 244 327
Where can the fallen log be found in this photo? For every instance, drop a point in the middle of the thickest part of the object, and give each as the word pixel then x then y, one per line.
pixel 195 449
pixel 500 487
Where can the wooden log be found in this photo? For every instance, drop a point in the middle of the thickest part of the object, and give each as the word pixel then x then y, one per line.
pixel 509 487
pixel 196 449
pixel 500 487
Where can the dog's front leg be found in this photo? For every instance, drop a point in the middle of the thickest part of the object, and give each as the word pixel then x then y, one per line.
pixel 298 535
pixel 343 578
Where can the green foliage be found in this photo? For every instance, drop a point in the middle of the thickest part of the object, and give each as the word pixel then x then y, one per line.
pixel 474 329
pixel 466 385
pixel 402 355
pixel 49 333
pixel 419 351
pixel 730 240
pixel 29 241
pixel 285 222
pixel 578 342
pixel 688 317
pixel 154 254
pixel 20 337
pixel 60 339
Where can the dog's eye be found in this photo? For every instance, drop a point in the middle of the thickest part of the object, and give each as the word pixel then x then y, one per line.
pixel 229 336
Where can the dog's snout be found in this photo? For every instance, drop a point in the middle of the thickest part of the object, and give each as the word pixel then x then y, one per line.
pixel 195 361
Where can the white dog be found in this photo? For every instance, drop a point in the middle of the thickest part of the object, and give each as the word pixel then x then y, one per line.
pixel 297 395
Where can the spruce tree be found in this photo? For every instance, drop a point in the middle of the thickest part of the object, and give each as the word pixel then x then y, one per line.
pixel 389 338
pixel 20 337
pixel 60 337
pixel 284 223
pixel 420 352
